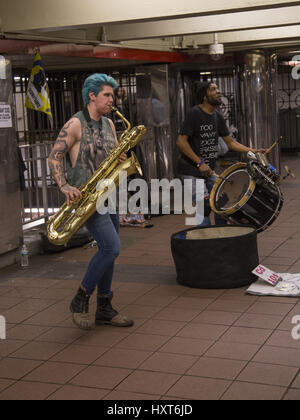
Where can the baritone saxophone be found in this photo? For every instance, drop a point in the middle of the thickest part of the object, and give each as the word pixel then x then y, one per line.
pixel 70 218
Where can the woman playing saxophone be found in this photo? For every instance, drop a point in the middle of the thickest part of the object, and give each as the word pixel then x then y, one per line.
pixel 86 140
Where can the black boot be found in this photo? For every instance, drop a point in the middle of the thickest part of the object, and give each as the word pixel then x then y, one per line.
pixel 106 314
pixel 80 310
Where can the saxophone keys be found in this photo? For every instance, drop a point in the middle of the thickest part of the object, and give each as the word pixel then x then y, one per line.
pixel 80 212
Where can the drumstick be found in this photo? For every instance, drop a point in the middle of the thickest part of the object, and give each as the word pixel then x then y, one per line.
pixel 223 179
pixel 218 176
pixel 272 147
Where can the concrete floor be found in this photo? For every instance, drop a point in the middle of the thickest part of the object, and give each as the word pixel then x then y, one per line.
pixel 186 344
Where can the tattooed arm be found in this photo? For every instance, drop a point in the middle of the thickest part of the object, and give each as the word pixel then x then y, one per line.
pixel 68 136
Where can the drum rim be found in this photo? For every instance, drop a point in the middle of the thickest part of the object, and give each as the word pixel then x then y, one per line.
pixel 242 202
pixel 252 232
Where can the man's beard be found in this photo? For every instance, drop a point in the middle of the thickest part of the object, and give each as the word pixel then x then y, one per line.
pixel 214 102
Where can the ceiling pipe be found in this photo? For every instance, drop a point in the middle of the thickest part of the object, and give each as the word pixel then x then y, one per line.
pixel 60 40
pixel 90 51
pixel 104 51
pixel 54 39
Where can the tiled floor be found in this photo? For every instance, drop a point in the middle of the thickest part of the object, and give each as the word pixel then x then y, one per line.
pixel 186 343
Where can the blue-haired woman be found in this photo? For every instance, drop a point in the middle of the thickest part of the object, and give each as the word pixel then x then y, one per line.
pixel 86 140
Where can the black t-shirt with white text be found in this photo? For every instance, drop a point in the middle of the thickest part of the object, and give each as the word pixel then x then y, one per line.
pixel 203 131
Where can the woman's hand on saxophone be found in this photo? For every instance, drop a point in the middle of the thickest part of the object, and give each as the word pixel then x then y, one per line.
pixel 71 193
pixel 122 157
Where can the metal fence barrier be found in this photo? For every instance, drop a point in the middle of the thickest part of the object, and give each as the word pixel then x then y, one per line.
pixel 41 196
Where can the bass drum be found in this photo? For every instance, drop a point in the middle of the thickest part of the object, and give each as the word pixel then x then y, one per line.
pixel 241 200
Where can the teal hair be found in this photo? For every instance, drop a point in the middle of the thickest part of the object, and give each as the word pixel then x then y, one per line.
pixel 95 83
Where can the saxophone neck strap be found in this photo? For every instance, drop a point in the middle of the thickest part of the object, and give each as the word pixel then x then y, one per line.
pixel 88 119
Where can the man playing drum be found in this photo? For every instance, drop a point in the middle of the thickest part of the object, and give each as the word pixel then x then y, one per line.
pixel 198 143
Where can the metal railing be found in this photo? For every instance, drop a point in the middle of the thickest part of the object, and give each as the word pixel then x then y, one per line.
pixel 41 196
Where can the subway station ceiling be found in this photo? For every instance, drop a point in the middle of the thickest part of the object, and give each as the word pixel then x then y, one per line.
pixel 144 30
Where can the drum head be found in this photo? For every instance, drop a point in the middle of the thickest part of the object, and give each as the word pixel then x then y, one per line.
pixel 232 190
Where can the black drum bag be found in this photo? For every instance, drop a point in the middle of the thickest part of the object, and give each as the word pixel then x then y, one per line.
pixel 215 257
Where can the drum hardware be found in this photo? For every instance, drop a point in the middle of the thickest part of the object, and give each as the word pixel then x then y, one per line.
pixel 261 202
pixel 249 216
pixel 251 156
pixel 262 159
pixel 254 167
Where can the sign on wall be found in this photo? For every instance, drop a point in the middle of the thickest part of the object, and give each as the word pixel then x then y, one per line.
pixel 5 116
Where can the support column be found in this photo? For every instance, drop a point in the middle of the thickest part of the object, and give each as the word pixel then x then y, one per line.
pixel 10 195
pixel 153 110
pixel 258 102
